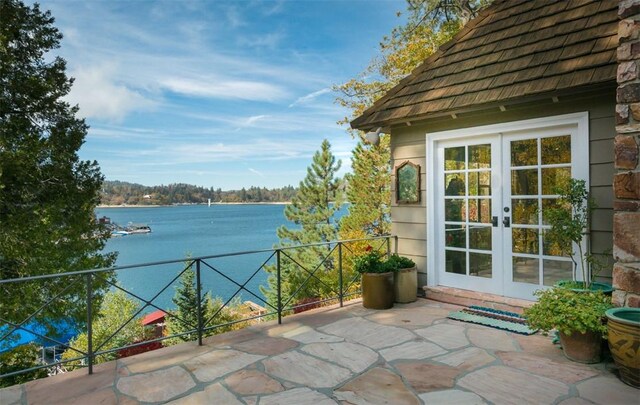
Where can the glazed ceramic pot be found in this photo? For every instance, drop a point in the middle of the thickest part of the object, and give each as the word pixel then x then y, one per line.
pixel 624 342
pixel 405 285
pixel 594 286
pixel 377 290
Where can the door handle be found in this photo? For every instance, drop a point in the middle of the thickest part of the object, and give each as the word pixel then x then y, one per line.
pixel 506 222
pixel 494 221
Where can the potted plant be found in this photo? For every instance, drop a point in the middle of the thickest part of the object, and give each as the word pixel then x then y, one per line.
pixel 405 278
pixel 569 220
pixel 624 342
pixel 577 316
pixel 377 281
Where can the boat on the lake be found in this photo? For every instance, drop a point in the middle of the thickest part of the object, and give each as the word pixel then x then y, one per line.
pixel 137 228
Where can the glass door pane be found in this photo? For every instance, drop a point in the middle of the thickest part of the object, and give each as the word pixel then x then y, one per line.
pixel 536 167
pixel 467 200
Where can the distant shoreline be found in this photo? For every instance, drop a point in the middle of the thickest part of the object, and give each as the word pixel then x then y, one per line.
pixel 182 205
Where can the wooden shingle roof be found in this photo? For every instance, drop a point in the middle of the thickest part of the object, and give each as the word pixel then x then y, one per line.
pixel 514 49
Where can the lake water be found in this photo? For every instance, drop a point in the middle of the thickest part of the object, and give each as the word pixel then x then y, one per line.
pixel 196 230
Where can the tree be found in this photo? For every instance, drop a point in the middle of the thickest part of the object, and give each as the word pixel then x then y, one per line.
pixel 116 309
pixel 185 316
pixel 430 24
pixel 312 210
pixel 369 192
pixel 47 194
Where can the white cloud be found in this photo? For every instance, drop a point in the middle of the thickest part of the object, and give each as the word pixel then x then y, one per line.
pixel 270 41
pixel 221 89
pixel 254 171
pixel 100 97
pixel 309 97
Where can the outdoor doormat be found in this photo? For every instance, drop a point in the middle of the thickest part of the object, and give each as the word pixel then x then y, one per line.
pixel 504 320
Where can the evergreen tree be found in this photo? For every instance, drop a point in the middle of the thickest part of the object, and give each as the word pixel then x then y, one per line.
pixel 368 191
pixel 47 194
pixel 312 210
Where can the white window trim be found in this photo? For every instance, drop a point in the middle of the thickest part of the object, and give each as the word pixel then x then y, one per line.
pixel 578 152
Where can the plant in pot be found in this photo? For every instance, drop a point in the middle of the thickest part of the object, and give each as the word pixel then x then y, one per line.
pixel 569 219
pixel 577 316
pixel 377 281
pixel 405 278
pixel 624 342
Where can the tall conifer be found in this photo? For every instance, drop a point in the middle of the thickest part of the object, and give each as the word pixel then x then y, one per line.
pixel 312 211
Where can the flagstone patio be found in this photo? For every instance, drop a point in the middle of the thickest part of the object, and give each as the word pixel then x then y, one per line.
pixel 410 354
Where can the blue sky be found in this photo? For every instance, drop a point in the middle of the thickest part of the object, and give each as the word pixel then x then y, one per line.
pixel 224 94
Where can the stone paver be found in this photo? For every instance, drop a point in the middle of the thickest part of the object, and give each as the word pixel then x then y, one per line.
pixel 252 382
pixel 356 358
pixel 608 390
pixel 368 333
pixel 266 346
pixel 63 388
pixel 408 318
pixel 306 334
pixel 569 373
pixel 305 370
pixel 412 350
pixel 425 377
pixel 209 366
pixel 468 359
pixel 445 335
pixel 11 395
pixel 297 396
pixel 213 394
pixel 376 386
pixel 345 355
pixel 491 339
pixel 505 385
pixel 155 386
pixel 452 397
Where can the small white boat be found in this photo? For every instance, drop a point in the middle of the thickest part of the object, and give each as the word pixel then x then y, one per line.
pixel 137 228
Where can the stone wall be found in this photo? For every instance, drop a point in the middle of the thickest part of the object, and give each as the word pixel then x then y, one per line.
pixel 626 182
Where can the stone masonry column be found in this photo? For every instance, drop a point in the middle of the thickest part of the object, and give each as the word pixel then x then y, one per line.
pixel 626 182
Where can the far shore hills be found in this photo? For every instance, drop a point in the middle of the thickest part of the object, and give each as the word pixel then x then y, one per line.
pixel 181 205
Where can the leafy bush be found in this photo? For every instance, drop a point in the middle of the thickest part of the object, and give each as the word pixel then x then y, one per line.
pixel 21 358
pixel 370 262
pixel 569 311
pixel 396 263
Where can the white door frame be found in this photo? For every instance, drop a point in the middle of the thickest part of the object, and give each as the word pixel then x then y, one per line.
pixel 579 151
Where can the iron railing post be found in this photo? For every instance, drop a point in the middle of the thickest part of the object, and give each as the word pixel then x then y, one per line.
pixel 279 282
pixel 395 244
pixel 388 247
pixel 89 322
pixel 199 289
pixel 340 281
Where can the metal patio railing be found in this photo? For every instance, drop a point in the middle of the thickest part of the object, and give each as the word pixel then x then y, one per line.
pixel 333 258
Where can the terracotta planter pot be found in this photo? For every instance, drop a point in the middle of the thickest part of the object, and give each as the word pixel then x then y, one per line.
pixel 377 290
pixel 405 285
pixel 582 347
pixel 624 343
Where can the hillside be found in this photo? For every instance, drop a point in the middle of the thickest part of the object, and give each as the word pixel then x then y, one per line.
pixel 120 192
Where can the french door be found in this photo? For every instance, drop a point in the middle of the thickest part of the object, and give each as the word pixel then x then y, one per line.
pixel 492 193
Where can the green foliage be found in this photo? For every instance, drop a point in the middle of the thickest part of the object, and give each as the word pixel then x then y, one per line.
pixel 568 229
pixel 47 194
pixel 373 261
pixel 120 192
pixel 312 210
pixel 370 262
pixel 21 358
pixel 369 192
pixel 116 309
pixel 186 315
pixel 396 262
pixel 569 311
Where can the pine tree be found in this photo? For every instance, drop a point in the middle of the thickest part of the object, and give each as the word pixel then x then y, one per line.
pixel 368 191
pixel 47 194
pixel 312 210
pixel 186 313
